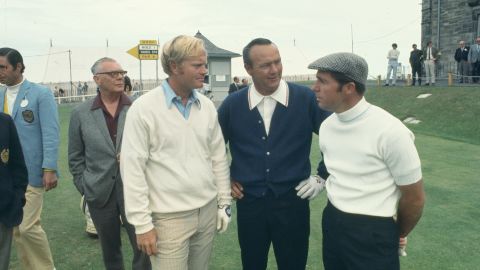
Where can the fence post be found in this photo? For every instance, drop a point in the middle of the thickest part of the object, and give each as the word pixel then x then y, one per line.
pixel 409 79
pixel 450 78
pixel 379 80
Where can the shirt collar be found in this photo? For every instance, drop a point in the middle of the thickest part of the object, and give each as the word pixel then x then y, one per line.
pixel 354 112
pixel 15 88
pixel 170 95
pixel 98 103
pixel 280 95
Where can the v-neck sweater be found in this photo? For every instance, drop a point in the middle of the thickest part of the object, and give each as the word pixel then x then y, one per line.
pixel 169 163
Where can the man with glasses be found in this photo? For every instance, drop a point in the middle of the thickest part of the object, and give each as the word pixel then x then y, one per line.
pixel 34 112
pixel 474 59
pixel 95 138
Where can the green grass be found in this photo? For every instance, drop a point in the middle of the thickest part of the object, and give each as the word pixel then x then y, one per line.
pixel 447 237
pixel 450 113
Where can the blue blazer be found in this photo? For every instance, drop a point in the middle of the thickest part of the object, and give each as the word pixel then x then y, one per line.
pixel 36 118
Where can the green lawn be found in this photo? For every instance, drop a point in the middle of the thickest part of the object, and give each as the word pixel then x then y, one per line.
pixel 447 237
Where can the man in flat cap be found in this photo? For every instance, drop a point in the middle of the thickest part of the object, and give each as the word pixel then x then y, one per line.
pixel 375 172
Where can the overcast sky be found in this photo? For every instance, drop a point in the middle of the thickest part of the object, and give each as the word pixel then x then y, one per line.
pixel 304 30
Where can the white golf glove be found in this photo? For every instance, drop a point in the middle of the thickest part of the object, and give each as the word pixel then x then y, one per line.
pixel 224 214
pixel 311 187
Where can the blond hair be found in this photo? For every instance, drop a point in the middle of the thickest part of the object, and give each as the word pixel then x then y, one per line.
pixel 179 48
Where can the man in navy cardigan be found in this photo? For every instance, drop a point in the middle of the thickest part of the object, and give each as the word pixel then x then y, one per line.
pixel 13 183
pixel 269 128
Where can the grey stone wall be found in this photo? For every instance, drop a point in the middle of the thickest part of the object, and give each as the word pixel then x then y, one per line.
pixel 458 21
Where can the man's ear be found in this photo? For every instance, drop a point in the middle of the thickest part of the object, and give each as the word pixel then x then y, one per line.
pixel 248 68
pixel 350 88
pixel 174 67
pixel 96 79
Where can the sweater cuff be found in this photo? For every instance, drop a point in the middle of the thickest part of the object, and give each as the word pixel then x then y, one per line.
pixel 224 199
pixel 144 228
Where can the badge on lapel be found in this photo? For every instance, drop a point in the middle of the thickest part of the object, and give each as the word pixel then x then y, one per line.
pixel 28 116
pixel 4 156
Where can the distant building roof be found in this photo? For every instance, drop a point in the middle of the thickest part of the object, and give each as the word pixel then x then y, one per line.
pixel 214 51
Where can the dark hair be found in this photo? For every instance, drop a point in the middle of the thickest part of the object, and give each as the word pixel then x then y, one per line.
pixel 394 45
pixel 127 83
pixel 13 57
pixel 246 50
pixel 342 80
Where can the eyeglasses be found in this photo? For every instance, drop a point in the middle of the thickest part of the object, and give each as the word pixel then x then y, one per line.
pixel 113 74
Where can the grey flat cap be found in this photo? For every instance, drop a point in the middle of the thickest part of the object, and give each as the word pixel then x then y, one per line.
pixel 351 65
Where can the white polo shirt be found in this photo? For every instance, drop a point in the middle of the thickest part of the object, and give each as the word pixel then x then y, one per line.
pixel 368 153
pixel 266 104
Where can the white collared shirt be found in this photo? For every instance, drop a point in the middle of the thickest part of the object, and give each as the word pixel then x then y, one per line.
pixel 266 104
pixel 11 95
pixel 429 53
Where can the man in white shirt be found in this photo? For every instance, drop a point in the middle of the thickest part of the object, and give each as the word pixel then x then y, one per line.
pixel 430 56
pixel 375 171
pixel 174 164
pixel 392 57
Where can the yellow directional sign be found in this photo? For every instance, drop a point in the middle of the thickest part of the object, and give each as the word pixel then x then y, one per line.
pixel 134 52
pixel 148 42
pixel 146 50
pixel 148 56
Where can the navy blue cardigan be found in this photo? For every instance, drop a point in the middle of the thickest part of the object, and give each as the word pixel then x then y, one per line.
pixel 279 161
pixel 13 174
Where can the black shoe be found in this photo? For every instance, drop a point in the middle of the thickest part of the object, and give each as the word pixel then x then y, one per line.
pixel 385 84
pixel 427 84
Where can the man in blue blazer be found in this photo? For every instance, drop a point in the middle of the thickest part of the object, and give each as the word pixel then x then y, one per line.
pixel 13 183
pixel 34 113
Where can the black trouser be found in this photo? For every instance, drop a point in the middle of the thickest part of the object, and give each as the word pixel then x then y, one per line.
pixel 358 242
pixel 107 222
pixel 476 71
pixel 283 221
pixel 417 71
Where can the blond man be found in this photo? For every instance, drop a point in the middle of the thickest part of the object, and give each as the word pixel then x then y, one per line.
pixel 175 168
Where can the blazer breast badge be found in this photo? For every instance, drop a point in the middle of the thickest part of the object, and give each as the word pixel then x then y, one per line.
pixel 28 116
pixel 4 156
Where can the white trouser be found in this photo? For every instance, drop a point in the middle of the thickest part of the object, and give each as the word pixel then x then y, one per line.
pixel 392 66
pixel 430 71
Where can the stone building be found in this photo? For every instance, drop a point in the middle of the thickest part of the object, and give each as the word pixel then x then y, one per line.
pixel 445 23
